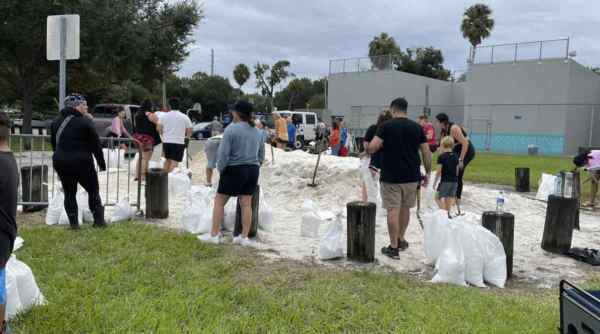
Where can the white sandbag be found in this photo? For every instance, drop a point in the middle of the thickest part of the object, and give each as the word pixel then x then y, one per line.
pixel 265 217
pixel 331 245
pixel 123 211
pixel 311 221
pixel 83 205
pixel 473 252
pixel 229 218
pixel 114 158
pixel 197 213
pixel 22 290
pixel 546 187
pixel 371 182
pixel 450 265
pixel 494 270
pixel 436 230
pixel 18 244
pixel 179 182
pixel 55 208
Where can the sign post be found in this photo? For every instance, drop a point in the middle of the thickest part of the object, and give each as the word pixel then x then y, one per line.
pixel 62 44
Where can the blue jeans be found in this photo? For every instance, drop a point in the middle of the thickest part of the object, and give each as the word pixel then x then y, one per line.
pixel 335 150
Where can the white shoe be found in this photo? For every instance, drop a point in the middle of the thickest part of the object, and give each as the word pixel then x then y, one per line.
pixel 246 242
pixel 237 240
pixel 210 239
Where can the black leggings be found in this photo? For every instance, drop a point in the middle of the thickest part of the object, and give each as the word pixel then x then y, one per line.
pixel 461 173
pixel 70 175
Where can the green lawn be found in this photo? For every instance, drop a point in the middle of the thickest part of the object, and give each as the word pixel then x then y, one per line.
pixel 500 168
pixel 135 278
pixel 20 143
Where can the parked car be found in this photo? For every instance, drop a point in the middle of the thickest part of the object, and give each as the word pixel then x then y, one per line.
pixel 202 130
pixel 104 113
pixel 306 123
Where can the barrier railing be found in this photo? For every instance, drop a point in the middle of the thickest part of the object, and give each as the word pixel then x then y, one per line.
pixel 39 181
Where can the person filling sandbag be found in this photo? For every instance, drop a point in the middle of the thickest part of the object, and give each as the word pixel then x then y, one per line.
pixel 9 181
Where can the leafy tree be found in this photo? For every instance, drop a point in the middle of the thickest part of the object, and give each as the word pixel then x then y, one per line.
pixel 476 25
pixel 382 49
pixel 267 78
pixel 427 62
pixel 215 93
pixel 137 40
pixel 317 101
pixel 241 74
pixel 299 93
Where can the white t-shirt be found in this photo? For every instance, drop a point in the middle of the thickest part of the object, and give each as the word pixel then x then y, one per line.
pixel 174 124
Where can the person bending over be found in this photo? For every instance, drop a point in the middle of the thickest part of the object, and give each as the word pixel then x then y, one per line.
pixel 447 172
pixel 463 147
pixel 74 141
pixel 241 153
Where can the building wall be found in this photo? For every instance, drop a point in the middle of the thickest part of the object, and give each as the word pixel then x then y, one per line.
pixel 359 97
pixel 584 89
pixel 514 105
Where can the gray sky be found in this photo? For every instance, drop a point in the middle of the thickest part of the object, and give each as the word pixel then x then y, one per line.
pixel 310 32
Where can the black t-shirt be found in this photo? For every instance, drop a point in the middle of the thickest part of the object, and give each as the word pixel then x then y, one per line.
pixel 9 181
pixel 449 162
pixel 402 139
pixel 377 157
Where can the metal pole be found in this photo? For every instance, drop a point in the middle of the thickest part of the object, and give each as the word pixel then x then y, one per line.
pixel 541 45
pixel 590 141
pixel 568 42
pixel 212 62
pixel 344 66
pixel 516 50
pixel 62 86
pixel 358 65
pixel 330 67
pixel 492 54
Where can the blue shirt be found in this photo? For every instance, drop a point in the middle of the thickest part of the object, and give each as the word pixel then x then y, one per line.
pixel 291 132
pixel 242 144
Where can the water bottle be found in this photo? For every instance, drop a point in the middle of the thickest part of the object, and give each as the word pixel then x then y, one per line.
pixel 500 203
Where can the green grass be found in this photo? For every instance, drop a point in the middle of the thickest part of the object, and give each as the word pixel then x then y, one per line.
pixel 500 168
pixel 20 143
pixel 135 278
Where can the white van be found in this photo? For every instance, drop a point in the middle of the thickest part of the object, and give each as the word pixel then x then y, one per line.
pixel 306 125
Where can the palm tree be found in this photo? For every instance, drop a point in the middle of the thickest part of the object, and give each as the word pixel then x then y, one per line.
pixel 476 25
pixel 383 45
pixel 241 74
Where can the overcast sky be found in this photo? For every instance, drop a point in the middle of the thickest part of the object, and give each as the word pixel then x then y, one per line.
pixel 309 33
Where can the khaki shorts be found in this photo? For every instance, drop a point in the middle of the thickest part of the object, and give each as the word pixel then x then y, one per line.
pixel 399 195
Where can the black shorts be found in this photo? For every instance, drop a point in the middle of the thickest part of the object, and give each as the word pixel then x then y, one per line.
pixel 6 248
pixel 173 151
pixel 239 180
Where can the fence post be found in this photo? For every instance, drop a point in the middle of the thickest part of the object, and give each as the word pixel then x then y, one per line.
pixel 329 67
pixel 358 65
pixel 541 46
pixel 590 142
pixel 344 66
pixel 492 60
pixel 568 42
pixel 516 51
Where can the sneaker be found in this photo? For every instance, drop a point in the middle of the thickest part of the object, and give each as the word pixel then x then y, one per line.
pixel 210 239
pixel 391 252
pixel 237 240
pixel 402 245
pixel 246 242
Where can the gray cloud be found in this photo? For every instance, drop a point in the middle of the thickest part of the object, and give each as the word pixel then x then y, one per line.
pixel 311 32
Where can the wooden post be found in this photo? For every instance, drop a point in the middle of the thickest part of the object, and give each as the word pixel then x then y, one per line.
pixel 503 226
pixel 361 231
pixel 561 215
pixel 522 180
pixel 237 230
pixel 157 193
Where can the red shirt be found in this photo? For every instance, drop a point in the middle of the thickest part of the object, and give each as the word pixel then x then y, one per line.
pixel 429 131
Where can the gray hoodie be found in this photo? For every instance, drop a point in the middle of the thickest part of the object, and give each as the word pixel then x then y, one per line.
pixel 242 144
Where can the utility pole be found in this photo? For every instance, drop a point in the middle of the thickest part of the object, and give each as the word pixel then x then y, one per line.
pixel 212 62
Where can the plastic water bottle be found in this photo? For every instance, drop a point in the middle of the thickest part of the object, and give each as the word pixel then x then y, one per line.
pixel 500 202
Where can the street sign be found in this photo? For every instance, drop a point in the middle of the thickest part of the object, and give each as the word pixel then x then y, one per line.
pixel 53 36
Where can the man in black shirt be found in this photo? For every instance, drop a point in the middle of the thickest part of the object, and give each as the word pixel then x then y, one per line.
pixel 400 139
pixel 74 141
pixel 9 181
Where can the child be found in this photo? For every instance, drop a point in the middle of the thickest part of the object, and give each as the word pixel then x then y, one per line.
pixel 447 170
